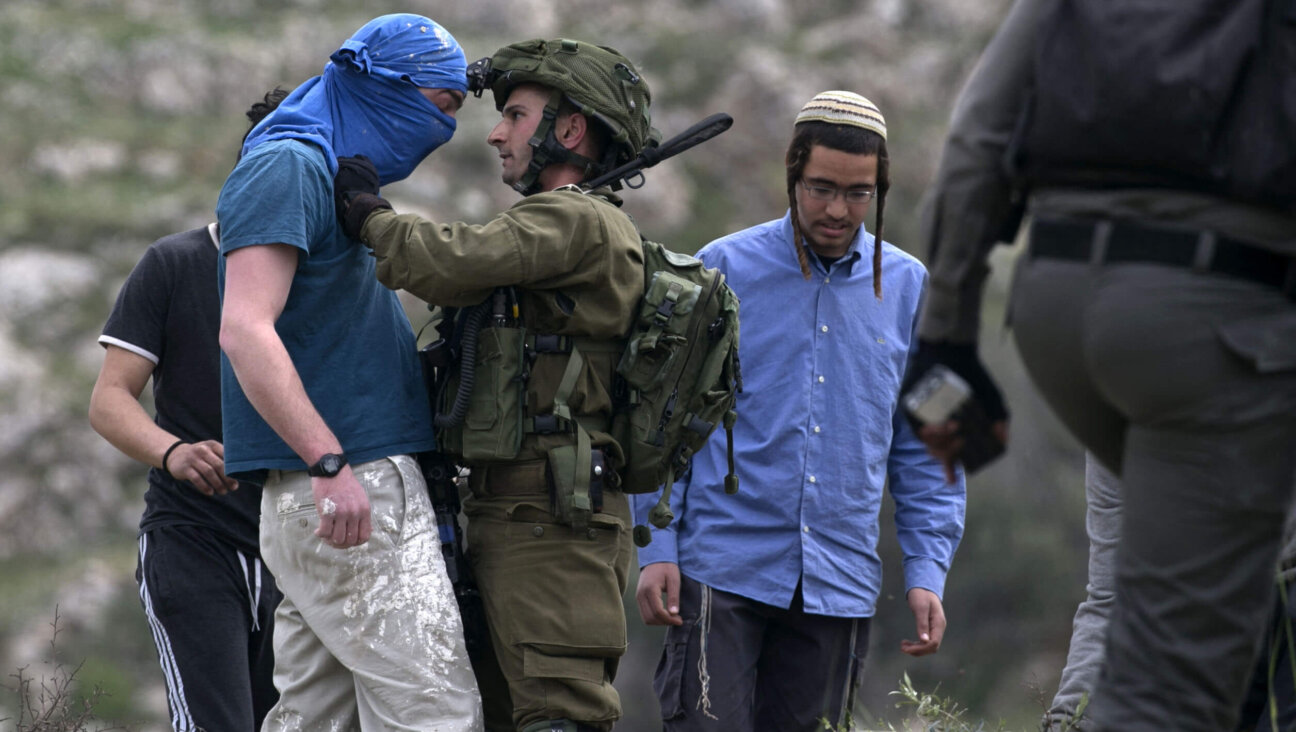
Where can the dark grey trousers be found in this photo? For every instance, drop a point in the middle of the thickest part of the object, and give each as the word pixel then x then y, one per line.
pixel 1185 385
pixel 739 665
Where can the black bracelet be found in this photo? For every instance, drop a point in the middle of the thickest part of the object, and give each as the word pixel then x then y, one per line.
pixel 167 454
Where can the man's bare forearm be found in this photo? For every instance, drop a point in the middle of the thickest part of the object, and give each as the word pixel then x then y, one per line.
pixel 118 417
pixel 273 386
pixel 115 413
pixel 257 282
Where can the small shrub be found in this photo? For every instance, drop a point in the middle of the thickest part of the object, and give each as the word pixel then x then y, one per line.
pixel 51 703
pixel 930 712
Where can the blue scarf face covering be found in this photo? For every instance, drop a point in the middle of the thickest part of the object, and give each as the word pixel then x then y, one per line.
pixel 367 101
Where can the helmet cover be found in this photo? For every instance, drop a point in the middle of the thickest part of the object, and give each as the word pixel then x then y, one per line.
pixel 598 80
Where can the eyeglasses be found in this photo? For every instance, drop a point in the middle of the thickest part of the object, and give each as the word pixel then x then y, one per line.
pixel 853 196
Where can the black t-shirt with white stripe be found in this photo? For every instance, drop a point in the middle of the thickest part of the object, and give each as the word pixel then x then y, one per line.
pixel 168 311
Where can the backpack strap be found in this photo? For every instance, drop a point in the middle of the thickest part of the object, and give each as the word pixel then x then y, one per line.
pixel 661 515
pixel 538 343
pixel 575 362
pixel 731 480
pixel 577 470
pixel 561 418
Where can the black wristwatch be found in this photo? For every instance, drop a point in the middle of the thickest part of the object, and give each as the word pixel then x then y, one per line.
pixel 329 465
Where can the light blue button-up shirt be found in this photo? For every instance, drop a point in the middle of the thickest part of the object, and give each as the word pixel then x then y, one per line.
pixel 819 434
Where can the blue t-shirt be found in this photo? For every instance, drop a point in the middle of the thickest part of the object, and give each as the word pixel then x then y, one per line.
pixel 347 335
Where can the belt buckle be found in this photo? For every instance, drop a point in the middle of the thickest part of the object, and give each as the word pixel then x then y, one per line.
pixel 1204 254
pixel 1101 242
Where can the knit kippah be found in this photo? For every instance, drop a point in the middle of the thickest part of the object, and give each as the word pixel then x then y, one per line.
pixel 843 108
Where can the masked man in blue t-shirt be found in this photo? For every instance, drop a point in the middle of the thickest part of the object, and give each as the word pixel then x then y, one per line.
pixel 323 401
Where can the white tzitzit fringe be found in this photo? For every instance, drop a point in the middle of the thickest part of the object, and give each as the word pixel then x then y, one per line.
pixel 704 627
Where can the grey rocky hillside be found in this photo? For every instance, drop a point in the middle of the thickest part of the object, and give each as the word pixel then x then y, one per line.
pixel 120 118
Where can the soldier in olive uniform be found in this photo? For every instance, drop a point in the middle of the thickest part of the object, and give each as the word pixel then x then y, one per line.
pixel 549 287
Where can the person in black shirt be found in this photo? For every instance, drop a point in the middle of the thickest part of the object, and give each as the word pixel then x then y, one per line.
pixel 209 600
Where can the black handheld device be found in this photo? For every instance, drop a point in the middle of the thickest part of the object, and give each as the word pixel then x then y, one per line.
pixel 940 395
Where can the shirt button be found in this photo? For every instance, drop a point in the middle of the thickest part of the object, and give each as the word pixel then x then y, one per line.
pixel 812 479
pixel 824 328
pixel 821 380
pixel 805 529
pixel 537 531
pixel 827 280
pixel 816 429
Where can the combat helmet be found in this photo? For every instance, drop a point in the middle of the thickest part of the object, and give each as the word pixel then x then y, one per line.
pixel 600 82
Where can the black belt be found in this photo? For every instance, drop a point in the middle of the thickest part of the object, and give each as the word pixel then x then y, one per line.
pixel 1129 242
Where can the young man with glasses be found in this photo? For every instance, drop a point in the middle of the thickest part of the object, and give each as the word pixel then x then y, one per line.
pixel 769 593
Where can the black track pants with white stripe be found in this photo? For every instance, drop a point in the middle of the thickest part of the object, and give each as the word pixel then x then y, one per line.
pixel 210 608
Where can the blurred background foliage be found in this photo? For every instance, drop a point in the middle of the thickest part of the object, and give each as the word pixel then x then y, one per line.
pixel 121 118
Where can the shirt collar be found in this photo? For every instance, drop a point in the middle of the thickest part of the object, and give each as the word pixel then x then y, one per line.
pixel 848 260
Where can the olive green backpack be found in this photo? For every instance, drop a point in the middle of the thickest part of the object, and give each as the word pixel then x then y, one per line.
pixel 681 376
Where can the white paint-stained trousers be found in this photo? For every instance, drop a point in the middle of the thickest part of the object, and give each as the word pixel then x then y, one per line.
pixel 367 638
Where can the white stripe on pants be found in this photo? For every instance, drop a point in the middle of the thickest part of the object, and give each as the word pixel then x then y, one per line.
pixel 181 719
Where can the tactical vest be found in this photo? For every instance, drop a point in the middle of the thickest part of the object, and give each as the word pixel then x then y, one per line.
pixel 623 413
pixel 531 395
pixel 1197 95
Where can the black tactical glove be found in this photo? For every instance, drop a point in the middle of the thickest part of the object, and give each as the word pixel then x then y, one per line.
pixel 977 416
pixel 962 359
pixel 355 193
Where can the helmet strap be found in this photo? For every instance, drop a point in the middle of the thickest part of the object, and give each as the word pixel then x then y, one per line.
pixel 546 150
